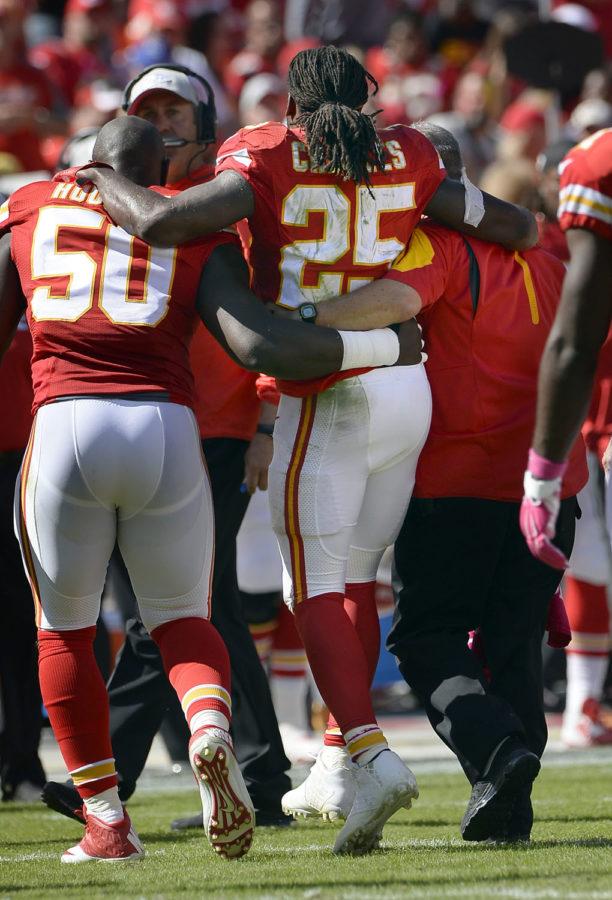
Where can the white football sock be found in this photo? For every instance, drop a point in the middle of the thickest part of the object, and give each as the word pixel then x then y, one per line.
pixel 208 718
pixel 289 698
pixel 106 806
pixel 585 679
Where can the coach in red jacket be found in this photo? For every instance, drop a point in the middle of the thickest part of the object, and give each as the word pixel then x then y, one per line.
pixel 460 557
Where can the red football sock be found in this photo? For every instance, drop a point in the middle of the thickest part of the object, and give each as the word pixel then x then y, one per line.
pixel 75 697
pixel 263 638
pixel 589 617
pixel 337 659
pixel 196 661
pixel 288 658
pixel 360 606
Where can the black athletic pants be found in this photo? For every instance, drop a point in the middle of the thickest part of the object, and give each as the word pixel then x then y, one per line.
pixel 140 693
pixel 19 690
pixel 463 563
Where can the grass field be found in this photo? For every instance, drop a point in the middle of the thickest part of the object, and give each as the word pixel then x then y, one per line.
pixel 423 856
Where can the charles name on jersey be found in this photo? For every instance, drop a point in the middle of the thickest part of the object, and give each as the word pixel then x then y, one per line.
pixel 301 159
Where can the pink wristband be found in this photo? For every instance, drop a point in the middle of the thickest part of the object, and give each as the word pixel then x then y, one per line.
pixel 540 467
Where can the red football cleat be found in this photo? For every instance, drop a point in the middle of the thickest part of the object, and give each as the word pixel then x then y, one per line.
pixel 106 843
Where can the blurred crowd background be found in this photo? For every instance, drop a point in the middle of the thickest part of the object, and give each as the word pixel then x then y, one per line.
pixel 507 78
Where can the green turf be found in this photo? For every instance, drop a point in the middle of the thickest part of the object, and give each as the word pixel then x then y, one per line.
pixel 422 856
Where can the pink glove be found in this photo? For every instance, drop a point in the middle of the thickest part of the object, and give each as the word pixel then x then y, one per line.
pixel 557 625
pixel 540 508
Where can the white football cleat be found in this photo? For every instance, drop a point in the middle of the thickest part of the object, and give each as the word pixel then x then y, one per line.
pixel 106 843
pixel 227 811
pixel 329 790
pixel 383 786
pixel 590 730
pixel 300 746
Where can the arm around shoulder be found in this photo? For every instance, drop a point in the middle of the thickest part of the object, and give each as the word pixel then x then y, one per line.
pixel 246 330
pixel 514 227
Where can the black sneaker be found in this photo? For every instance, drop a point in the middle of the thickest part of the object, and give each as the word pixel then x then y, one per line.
pixel 518 829
pixel 494 797
pixel 64 799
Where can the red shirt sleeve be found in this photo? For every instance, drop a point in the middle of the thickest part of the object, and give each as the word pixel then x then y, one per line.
pixel 17 208
pixel 428 262
pixel 241 153
pixel 585 195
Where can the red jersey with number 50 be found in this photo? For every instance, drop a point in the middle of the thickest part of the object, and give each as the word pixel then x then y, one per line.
pixel 315 235
pixel 108 314
pixel 585 186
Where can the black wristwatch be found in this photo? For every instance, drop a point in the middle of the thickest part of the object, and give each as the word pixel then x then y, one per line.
pixel 308 312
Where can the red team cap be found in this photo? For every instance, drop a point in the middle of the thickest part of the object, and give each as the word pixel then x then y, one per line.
pixel 162 79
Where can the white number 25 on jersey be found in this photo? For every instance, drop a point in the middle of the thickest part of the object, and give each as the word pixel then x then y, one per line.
pixel 122 300
pixel 337 237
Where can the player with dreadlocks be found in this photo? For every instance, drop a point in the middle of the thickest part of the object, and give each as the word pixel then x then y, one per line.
pixel 330 203
pixel 329 93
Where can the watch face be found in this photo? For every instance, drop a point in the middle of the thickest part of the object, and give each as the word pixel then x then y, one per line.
pixel 308 311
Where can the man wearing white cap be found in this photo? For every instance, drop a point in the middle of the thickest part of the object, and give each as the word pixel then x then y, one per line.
pixel 236 434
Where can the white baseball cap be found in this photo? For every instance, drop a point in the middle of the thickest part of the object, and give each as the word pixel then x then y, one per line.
pixel 164 79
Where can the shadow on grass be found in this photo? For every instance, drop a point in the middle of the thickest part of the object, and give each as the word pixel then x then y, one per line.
pixel 74 890
pixel 573 818
pixel 36 844
pixel 399 880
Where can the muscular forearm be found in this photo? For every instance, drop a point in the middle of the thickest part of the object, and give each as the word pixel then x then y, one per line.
pixel 504 223
pixel 564 394
pixel 381 303
pixel 264 343
pixel 247 330
pixel 165 222
pixel 570 357
pixel 136 209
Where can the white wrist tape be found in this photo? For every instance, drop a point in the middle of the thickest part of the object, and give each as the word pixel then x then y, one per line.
pixel 541 490
pixel 379 347
pixel 474 201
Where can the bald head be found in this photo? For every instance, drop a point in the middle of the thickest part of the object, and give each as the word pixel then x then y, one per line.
pixel 446 145
pixel 133 147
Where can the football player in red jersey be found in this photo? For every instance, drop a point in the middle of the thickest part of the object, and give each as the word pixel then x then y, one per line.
pixel 181 105
pixel 113 455
pixel 569 362
pixel 460 557
pixel 330 202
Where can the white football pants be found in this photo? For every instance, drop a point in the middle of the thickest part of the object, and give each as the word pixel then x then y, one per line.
pixel 342 476
pixel 100 470
pixel 591 558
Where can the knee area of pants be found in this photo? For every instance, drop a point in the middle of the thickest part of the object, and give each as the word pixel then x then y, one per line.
pixel 162 610
pixel 362 565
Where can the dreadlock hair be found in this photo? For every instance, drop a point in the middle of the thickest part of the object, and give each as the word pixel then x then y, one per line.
pixel 330 86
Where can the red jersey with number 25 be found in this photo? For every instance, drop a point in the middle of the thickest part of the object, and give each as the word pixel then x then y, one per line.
pixel 107 313
pixel 315 235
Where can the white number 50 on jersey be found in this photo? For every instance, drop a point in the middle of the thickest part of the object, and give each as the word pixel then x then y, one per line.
pixel 120 300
